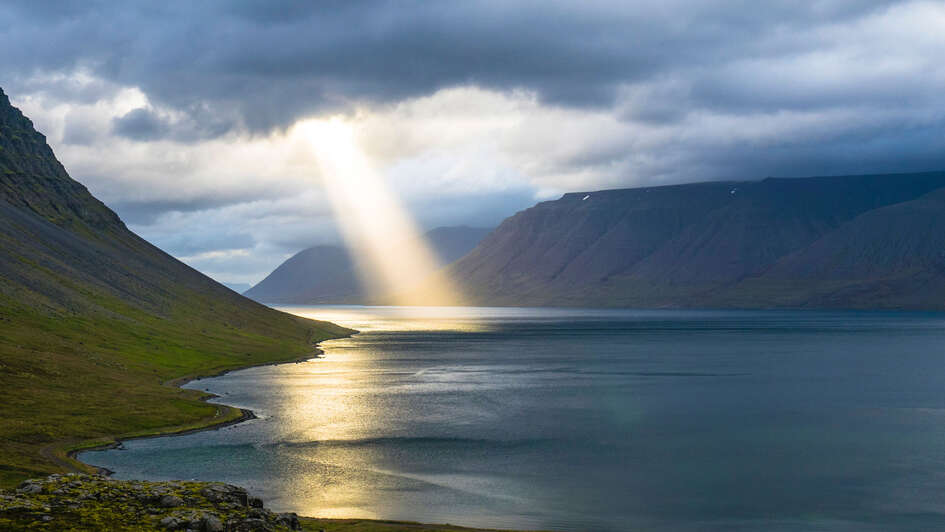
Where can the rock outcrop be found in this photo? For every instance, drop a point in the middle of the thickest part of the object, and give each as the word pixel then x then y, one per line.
pixel 94 502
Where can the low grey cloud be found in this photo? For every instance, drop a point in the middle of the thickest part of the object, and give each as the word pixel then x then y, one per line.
pixel 273 62
pixel 146 212
pixel 140 124
pixel 143 124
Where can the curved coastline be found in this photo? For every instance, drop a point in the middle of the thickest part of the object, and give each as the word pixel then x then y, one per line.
pixel 71 460
pixel 66 454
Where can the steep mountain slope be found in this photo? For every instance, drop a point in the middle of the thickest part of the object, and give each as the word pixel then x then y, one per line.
pixel 319 274
pixel 328 274
pixel 891 257
pixel 725 244
pixel 93 319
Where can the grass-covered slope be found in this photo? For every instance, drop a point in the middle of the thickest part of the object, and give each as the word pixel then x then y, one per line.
pixel 94 320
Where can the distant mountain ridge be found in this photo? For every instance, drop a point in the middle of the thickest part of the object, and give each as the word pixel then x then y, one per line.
pixel 328 274
pixel 872 241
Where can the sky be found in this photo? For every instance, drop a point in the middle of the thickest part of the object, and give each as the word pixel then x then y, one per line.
pixel 187 117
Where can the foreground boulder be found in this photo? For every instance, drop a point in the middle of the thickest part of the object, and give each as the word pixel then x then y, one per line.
pixel 94 502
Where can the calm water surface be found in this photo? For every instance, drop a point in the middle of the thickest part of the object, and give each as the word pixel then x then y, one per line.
pixel 589 420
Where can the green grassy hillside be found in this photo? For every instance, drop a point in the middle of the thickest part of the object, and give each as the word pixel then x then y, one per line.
pixel 94 321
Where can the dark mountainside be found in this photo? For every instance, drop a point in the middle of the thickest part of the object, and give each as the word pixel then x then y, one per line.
pixel 874 241
pixel 93 318
pixel 328 274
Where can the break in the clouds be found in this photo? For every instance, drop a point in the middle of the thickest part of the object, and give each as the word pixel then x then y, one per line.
pixel 182 115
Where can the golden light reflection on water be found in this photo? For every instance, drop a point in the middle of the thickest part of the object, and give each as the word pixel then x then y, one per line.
pixel 332 476
pixel 393 318
pixel 332 468
pixel 336 407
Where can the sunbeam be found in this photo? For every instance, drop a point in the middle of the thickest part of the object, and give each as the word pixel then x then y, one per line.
pixel 396 264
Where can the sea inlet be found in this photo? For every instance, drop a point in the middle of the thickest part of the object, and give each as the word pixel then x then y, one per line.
pixel 602 420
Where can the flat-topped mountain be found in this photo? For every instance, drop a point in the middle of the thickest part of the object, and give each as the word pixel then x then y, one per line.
pixel 871 241
pixel 93 319
pixel 328 274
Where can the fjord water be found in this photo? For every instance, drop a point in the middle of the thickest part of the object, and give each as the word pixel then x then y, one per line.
pixel 589 420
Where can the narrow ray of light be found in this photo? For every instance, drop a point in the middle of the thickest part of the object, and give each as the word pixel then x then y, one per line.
pixel 395 262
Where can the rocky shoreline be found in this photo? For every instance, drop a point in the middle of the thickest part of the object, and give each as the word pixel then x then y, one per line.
pixel 77 501
pixel 97 502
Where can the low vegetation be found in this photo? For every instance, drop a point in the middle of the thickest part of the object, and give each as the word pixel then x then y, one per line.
pixel 74 381
pixel 84 502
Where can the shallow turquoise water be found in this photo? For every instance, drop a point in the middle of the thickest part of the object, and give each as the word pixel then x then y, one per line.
pixel 589 420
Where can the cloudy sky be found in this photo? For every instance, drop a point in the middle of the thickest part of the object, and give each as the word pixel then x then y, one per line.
pixel 182 116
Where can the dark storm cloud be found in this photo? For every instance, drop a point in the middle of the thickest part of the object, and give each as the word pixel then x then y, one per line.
pixel 858 151
pixel 264 198
pixel 140 124
pixel 262 65
pixel 146 212
pixel 271 62
pixel 144 125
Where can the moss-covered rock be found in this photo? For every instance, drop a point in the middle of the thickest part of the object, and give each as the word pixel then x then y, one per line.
pixel 95 502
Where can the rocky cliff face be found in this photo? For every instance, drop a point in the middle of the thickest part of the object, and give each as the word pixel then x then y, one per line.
pixel 32 178
pixel 770 243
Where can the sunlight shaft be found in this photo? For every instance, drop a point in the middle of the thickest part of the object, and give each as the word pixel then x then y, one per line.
pixel 395 263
